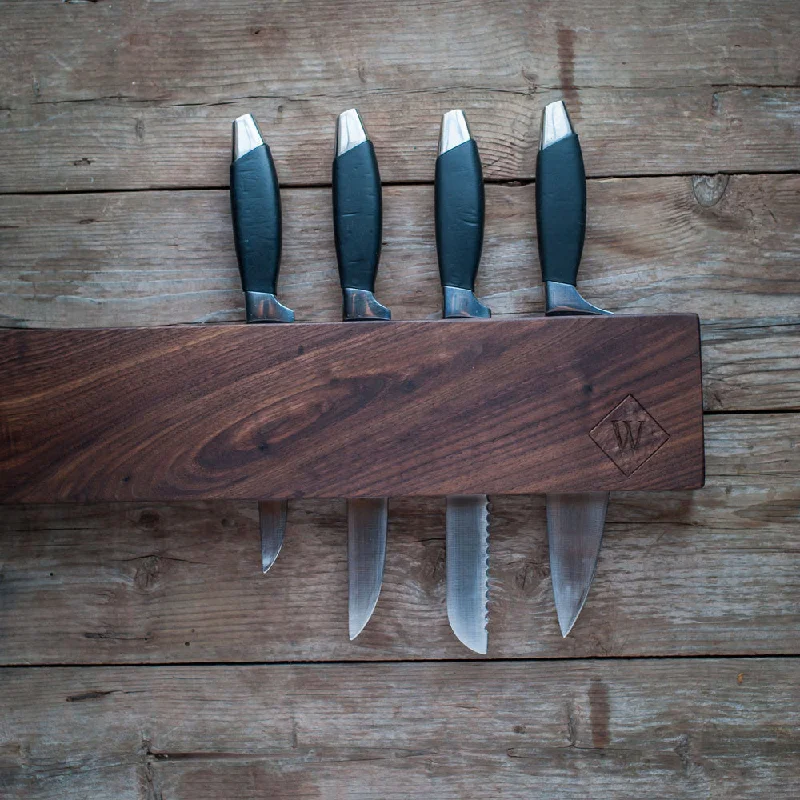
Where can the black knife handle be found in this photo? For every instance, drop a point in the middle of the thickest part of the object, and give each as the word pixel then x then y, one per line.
pixel 256 210
pixel 459 208
pixel 357 216
pixel 561 209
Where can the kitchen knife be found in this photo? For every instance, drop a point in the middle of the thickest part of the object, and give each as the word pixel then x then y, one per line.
pixel 357 220
pixel 256 212
pixel 459 212
pixel 574 521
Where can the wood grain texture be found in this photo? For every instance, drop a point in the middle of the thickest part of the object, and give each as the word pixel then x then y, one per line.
pixel 683 729
pixel 142 94
pixel 723 247
pixel 684 574
pixel 341 410
pixel 111 144
pixel 139 95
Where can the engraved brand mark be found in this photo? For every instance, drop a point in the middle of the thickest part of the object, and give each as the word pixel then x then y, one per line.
pixel 629 435
pixel 626 438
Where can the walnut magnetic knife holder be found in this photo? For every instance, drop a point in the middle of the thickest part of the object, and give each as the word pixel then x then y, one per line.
pixel 514 406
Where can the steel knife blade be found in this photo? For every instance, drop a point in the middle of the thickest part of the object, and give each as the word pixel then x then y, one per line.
pixel 357 223
pixel 574 521
pixel 459 217
pixel 467 562
pixel 366 554
pixel 256 214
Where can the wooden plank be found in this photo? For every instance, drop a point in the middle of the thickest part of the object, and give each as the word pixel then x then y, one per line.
pixel 725 248
pixel 710 572
pixel 140 95
pixel 653 728
pixel 179 52
pixel 582 403
pixel 744 360
pixel 116 144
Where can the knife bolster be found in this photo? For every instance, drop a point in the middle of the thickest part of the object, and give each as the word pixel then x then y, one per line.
pixel 265 307
pixel 360 304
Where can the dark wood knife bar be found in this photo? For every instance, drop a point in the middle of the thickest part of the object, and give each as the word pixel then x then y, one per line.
pixel 513 406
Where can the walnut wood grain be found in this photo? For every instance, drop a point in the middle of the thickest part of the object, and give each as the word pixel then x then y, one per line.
pixel 343 410
pixel 678 728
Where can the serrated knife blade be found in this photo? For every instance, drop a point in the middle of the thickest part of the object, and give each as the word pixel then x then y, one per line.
pixel 459 217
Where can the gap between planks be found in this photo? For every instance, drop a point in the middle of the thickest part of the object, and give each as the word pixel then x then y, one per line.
pixel 299 187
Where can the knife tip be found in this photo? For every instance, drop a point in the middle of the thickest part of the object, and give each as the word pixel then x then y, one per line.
pixel 566 625
pixel 246 136
pixel 350 131
pixel 556 124
pixel 454 130
pixel 267 561
pixel 355 628
pixel 477 641
pixel 272 525
pixel 358 618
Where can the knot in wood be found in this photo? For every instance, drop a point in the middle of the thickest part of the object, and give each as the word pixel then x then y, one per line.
pixel 708 189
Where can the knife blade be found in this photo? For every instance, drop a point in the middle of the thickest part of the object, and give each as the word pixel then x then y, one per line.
pixel 574 521
pixel 256 214
pixel 467 565
pixel 357 223
pixel 459 215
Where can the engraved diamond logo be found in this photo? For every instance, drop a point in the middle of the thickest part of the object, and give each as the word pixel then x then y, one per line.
pixel 628 435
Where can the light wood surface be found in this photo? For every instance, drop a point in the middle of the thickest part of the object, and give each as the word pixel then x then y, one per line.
pixel 680 728
pixel 140 94
pixel 680 677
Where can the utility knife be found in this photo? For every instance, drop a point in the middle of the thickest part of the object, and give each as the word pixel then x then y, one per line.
pixel 256 212
pixel 357 221
pixel 459 216
pixel 574 521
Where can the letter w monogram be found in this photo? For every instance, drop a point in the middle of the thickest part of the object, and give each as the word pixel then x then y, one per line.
pixel 625 435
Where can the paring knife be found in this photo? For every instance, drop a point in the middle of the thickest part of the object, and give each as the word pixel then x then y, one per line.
pixel 357 220
pixel 459 212
pixel 256 211
pixel 574 521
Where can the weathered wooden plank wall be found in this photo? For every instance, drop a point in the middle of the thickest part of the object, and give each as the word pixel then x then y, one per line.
pixel 140 94
pixel 674 727
pixel 114 126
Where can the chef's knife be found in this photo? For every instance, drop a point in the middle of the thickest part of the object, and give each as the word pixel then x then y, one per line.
pixel 574 521
pixel 256 211
pixel 357 220
pixel 459 212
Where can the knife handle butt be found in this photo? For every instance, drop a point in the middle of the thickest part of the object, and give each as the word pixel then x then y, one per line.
pixel 357 216
pixel 256 211
pixel 561 209
pixel 459 209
